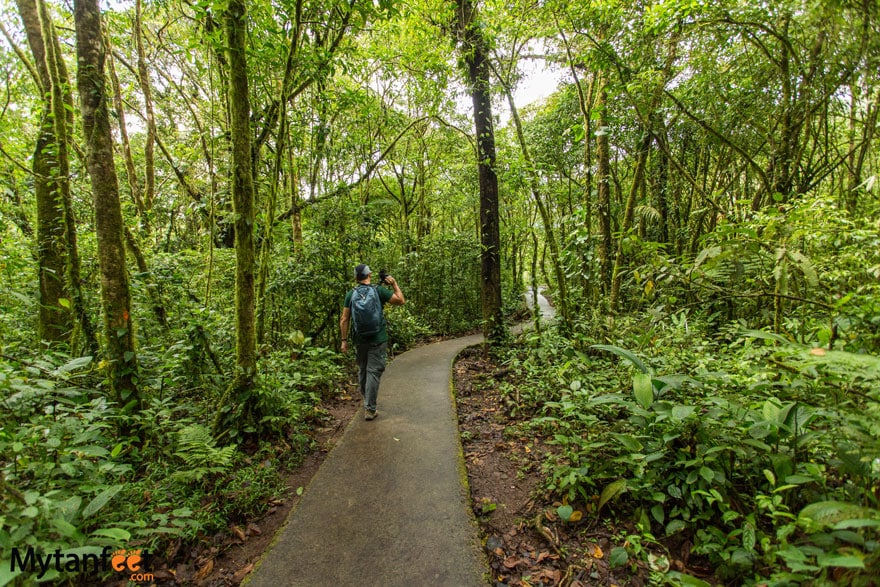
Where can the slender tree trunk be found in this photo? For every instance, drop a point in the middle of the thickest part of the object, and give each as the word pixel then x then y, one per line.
pixel 661 183
pixel 475 51
pixel 58 253
pixel 603 187
pixel 239 400
pixel 144 79
pixel 130 170
pixel 55 322
pixel 109 228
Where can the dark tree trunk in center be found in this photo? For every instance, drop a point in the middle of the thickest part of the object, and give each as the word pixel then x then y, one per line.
pixel 476 53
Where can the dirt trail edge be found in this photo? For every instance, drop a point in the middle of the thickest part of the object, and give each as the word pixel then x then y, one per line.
pixel 389 506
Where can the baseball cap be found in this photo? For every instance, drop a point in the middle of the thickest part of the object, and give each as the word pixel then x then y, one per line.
pixel 361 272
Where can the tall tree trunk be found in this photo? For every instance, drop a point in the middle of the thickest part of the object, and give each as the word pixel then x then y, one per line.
pixel 239 400
pixel 475 52
pixel 109 228
pixel 58 253
pixel 130 169
pixel 603 187
pixel 661 184
pixel 144 79
pixel 55 322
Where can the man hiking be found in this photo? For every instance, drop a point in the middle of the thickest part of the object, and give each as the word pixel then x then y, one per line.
pixel 362 312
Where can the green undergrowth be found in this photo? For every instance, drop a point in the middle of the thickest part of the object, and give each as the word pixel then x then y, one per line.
pixel 79 474
pixel 761 452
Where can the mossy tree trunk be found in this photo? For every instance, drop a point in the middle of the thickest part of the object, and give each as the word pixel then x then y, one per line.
pixel 239 399
pixel 55 322
pixel 61 302
pixel 120 352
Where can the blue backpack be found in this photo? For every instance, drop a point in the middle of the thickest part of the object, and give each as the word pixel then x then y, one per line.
pixel 366 311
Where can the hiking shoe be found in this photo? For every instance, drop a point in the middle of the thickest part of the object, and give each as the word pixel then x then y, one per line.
pixel 370 415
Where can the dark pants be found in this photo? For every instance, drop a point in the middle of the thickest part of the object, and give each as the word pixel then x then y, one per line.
pixel 371 359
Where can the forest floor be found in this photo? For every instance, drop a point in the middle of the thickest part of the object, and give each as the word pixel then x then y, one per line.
pixel 526 542
pixel 527 545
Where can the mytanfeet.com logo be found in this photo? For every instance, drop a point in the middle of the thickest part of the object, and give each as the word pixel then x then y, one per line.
pixel 135 564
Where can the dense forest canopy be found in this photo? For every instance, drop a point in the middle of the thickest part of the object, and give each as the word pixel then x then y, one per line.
pixel 185 188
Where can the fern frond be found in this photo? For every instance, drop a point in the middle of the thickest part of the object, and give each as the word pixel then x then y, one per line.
pixel 197 448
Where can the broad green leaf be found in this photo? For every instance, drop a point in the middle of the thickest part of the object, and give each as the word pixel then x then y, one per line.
pixel 623 353
pixel 827 513
pixel 707 474
pixel 630 442
pixel 7 576
pixel 101 500
pixel 611 491
pixel 658 513
pixel 705 254
pixel 643 389
pixel 827 559
pixel 565 512
pixel 679 413
pixel 859 523
pixel 760 430
pixel 675 526
pixel 618 557
pixel 73 365
pixel 65 528
pixel 114 533
pixel 766 336
pixel 686 580
pixel 806 267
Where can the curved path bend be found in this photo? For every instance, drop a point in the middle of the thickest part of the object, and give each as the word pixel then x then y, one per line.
pixel 389 506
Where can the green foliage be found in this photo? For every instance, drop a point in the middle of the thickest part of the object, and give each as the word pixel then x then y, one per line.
pixel 197 449
pixel 763 453
pixel 60 471
pixel 443 279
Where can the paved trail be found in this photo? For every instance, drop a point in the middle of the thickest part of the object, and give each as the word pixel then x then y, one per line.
pixel 389 506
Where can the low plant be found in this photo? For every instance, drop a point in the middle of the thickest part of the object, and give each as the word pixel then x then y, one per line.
pixel 729 443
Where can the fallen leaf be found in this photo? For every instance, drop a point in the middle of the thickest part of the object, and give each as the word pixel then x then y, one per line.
pixel 818 352
pixel 204 571
pixel 239 533
pixel 553 576
pixel 595 551
pixel 241 573
pixel 513 561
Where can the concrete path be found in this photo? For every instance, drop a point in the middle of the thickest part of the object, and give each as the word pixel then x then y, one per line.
pixel 389 506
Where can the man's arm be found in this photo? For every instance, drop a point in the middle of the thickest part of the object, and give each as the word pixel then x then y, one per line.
pixel 344 322
pixel 397 299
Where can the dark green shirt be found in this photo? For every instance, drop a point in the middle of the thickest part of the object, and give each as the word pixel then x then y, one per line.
pixel 385 294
